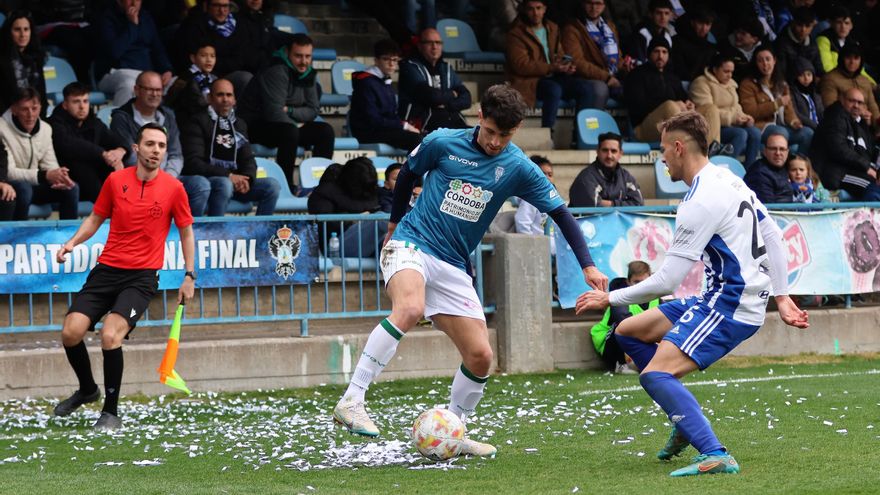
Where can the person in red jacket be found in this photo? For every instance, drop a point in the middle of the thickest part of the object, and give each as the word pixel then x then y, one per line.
pixel 141 202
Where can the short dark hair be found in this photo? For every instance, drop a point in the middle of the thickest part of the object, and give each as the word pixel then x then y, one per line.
pixel 386 47
pixel 27 94
pixel 521 9
pixel 803 16
pixel 149 125
pixel 75 88
pixel 839 12
pixel 539 160
pixel 659 4
pixel 637 267
pixel 691 123
pixel 612 136
pixel 752 25
pixel 391 168
pixel 504 105
pixel 301 39
pixel 201 44
pixel 701 13
pixel 720 59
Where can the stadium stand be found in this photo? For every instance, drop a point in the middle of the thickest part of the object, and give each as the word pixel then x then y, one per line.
pixel 287 202
pixel 459 41
pixel 59 73
pixel 591 123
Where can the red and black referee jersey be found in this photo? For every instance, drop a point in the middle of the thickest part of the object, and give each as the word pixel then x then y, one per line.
pixel 140 214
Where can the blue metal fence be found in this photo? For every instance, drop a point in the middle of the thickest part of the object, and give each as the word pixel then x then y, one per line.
pixel 347 287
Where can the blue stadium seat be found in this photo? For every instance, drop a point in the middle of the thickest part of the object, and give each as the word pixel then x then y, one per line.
pixel 239 207
pixel 290 24
pixel 39 211
pixel 58 73
pixel 287 202
pixel 383 149
pixel 105 114
pixel 333 100
pixel 346 144
pixel 459 40
pixel 665 187
pixel 84 208
pixel 729 163
pixel 311 170
pixel 340 75
pixel 591 123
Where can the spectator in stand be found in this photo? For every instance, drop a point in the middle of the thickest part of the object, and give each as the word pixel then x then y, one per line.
pixel 7 192
pixel 189 93
pixel 216 147
pixel 280 106
pixel 146 106
pixel 653 93
pixel 768 176
pixel 740 45
pixel 536 66
pixel 84 144
pixel 594 45
pixel 715 95
pixel 602 333
pixel 765 96
pixel 504 12
pixel 386 192
pixel 262 17
pixel 431 93
pixel 832 41
pixel 658 24
pixel 850 74
pixel 354 190
pixel 804 181
pixel 128 44
pixel 795 41
pixel 804 95
pixel 240 53
pixel 373 115
pixel 843 153
pixel 693 50
pixel 21 59
pixel 528 219
pixel 33 169
pixel 786 13
pixel 604 182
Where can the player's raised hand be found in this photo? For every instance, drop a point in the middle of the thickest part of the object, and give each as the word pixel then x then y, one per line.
pixel 591 300
pixel 791 314
pixel 595 278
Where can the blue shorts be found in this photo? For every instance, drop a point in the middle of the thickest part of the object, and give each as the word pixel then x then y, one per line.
pixel 702 333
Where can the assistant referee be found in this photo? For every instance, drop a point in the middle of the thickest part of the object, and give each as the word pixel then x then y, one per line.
pixel 140 203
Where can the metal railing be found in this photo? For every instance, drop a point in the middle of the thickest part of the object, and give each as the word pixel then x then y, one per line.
pixel 346 287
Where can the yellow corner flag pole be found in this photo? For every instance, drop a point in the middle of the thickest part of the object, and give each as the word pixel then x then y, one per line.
pixel 167 375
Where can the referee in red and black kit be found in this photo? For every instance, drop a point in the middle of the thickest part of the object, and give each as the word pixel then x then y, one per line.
pixel 140 203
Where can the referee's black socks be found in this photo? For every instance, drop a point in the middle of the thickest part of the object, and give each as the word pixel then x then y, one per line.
pixel 112 379
pixel 78 357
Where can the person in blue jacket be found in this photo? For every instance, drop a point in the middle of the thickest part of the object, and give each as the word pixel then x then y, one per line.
pixel 373 115
pixel 431 94
pixel 768 176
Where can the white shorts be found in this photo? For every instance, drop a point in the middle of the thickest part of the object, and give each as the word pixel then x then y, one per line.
pixel 448 290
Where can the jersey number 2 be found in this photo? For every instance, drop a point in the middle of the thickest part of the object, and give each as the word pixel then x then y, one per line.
pixel 757 251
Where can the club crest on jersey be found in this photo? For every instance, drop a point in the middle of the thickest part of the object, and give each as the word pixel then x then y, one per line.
pixel 463 161
pixel 284 247
pixel 465 201
pixel 499 171
pixel 156 210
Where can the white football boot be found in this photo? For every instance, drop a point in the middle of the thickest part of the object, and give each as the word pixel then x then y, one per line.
pixel 353 415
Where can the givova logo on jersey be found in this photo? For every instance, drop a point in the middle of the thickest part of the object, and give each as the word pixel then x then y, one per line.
pixel 465 201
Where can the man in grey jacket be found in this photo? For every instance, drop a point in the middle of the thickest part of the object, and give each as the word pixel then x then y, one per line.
pixel 604 182
pixel 280 106
pixel 146 106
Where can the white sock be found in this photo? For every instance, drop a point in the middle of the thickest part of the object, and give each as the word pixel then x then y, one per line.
pixel 467 390
pixel 380 348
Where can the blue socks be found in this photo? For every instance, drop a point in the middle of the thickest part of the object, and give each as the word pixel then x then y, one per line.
pixel 640 352
pixel 683 410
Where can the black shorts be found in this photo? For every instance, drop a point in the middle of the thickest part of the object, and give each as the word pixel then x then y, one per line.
pixel 116 290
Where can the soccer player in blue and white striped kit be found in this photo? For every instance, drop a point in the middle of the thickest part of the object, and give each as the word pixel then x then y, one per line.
pixel 720 222
pixel 425 261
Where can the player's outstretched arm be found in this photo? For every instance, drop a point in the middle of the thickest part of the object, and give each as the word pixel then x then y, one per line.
pixel 572 234
pixel 85 231
pixel 188 246
pixel 593 300
pixel 791 314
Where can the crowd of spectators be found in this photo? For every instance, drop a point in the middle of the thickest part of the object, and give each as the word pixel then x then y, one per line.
pixel 760 71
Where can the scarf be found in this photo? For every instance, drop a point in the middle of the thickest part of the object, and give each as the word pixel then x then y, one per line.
pixel 226 29
pixel 202 79
pixel 765 15
pixel 807 94
pixel 603 36
pixel 803 191
pixel 225 140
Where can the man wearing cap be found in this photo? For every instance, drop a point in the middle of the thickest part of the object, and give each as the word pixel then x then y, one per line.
pixel 653 94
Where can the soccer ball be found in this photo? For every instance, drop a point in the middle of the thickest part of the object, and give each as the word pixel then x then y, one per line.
pixel 437 434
